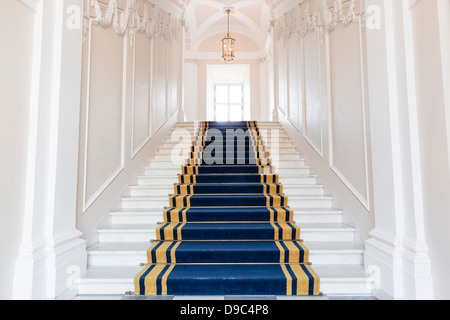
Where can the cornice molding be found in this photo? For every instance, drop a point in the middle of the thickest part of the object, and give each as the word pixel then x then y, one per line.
pixel 302 19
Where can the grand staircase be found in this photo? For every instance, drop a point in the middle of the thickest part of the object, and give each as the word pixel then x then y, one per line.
pixel 117 258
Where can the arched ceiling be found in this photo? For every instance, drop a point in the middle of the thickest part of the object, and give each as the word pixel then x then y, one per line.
pixel 207 20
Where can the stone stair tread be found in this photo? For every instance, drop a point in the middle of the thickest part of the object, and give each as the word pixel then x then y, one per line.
pixel 128 273
pixel 128 227
pixel 152 227
pixel 140 247
pixel 149 197
pixel 170 186
pixel 316 210
pixel 153 211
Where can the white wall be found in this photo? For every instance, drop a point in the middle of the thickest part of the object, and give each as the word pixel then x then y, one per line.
pixel 15 92
pixel 321 84
pixel 130 93
pixel 431 27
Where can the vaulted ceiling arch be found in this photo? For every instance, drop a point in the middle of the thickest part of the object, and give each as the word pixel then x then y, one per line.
pixel 207 18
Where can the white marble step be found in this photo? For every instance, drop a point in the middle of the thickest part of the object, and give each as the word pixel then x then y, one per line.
pixel 149 180
pixel 169 142
pixel 282 163
pixel 197 123
pixel 334 279
pixel 176 156
pixel 169 149
pixel 300 170
pixel 132 254
pixel 161 180
pixel 165 163
pixel 281 152
pixel 155 215
pixel 161 201
pixel 144 233
pixel 175 170
pixel 171 171
pixel 151 187
pixel 264 132
pixel 303 189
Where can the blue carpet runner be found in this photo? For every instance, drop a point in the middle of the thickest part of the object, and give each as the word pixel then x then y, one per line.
pixel 228 229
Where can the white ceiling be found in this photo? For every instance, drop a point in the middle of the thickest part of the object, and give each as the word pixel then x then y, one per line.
pixel 206 20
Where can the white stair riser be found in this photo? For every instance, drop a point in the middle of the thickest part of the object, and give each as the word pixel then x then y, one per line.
pixel 105 287
pixel 327 235
pixel 136 219
pixel 278 163
pixel 303 191
pixel 282 164
pixel 169 149
pixel 275 152
pixel 117 258
pixel 286 181
pixel 317 218
pixel 168 182
pixel 153 189
pixel 336 258
pixel 160 191
pixel 104 258
pixel 162 164
pixel 358 286
pixel 130 218
pixel 127 236
pixel 155 181
pixel 310 203
pixel 187 144
pixel 290 171
pixel 161 203
pixel 166 172
pixel 143 204
pixel 190 135
pixel 174 171
pixel 175 158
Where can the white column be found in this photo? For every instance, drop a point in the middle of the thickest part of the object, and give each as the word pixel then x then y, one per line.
pixel 52 253
pixel 397 250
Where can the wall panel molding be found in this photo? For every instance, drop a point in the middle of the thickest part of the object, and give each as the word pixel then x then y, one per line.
pixel 363 197
pixel 136 146
pixel 88 200
pixel 317 146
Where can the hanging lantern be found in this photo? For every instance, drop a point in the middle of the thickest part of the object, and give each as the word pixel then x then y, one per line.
pixel 228 44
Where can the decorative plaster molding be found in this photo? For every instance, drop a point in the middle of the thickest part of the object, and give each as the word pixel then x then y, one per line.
pixel 299 21
pixel 167 27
